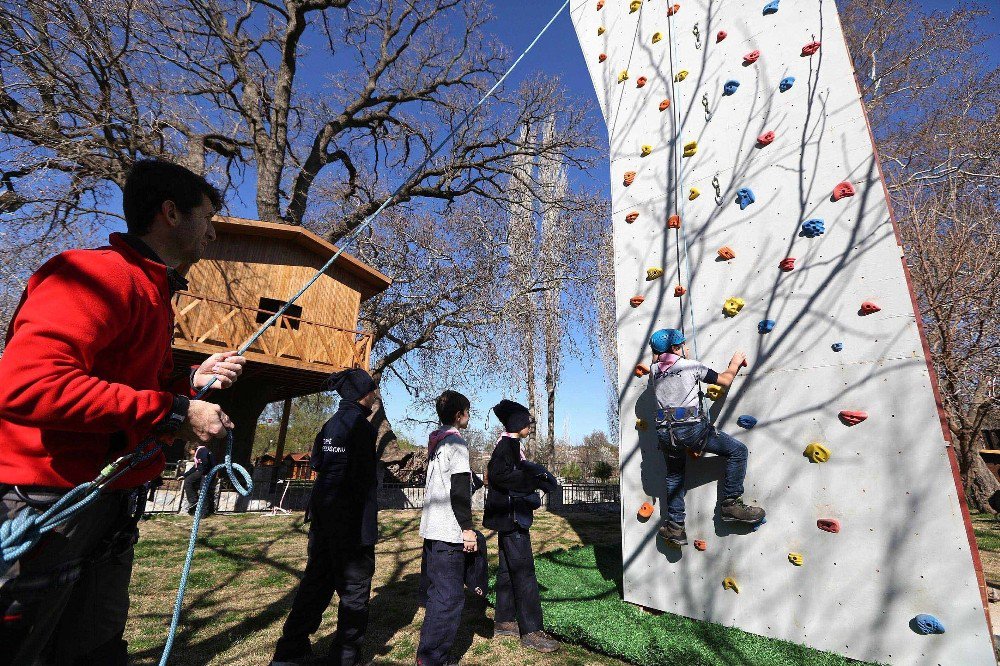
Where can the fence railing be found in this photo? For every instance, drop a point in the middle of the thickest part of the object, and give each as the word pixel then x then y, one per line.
pixel 591 493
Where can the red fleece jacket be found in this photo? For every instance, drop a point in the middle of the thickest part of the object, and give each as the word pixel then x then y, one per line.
pixel 85 374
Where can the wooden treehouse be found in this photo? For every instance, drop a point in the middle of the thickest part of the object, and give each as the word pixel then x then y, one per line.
pixel 243 279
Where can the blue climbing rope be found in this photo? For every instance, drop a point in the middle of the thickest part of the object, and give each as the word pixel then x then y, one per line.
pixel 20 534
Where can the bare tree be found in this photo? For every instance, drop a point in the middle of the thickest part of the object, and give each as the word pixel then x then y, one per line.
pixel 605 326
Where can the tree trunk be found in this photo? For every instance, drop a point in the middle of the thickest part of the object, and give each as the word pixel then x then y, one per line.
pixel 981 486
pixel 550 391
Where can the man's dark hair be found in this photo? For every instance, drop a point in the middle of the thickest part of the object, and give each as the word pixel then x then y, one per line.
pixel 449 405
pixel 151 182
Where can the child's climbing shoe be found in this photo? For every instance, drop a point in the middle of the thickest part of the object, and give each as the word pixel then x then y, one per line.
pixel 540 642
pixel 506 629
pixel 733 510
pixel 673 533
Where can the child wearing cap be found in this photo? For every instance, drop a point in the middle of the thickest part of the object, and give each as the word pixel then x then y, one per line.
pixel 682 428
pixel 512 485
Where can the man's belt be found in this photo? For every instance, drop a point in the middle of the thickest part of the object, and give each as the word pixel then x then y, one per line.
pixel 675 414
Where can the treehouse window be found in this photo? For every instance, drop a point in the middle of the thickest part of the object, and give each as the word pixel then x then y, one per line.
pixel 272 305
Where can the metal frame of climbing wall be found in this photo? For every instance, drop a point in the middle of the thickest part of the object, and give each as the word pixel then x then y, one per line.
pixel 904 544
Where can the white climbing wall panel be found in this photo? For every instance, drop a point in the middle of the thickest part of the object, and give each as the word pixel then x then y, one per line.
pixel 903 548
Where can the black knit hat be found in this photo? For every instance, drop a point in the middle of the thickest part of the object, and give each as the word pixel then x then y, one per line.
pixel 352 384
pixel 513 415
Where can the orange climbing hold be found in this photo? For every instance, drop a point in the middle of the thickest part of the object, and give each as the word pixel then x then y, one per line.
pixel 632 217
pixel 787 264
pixel 845 189
pixel 765 139
pixel 868 308
pixel 722 34
pixel 751 57
pixel 727 253
pixel 629 177
pixel 852 418
pixel 646 510
pixel 664 105
pixel 602 57
pixel 810 48
pixel 640 82
pixel 636 301
pixel 600 5
pixel 673 10
pixel 699 544
pixel 679 291
pixel 674 222
pixel 641 370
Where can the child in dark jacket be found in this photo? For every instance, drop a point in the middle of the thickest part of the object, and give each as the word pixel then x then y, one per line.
pixel 512 485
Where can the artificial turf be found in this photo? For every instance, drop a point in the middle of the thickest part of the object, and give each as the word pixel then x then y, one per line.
pixel 582 604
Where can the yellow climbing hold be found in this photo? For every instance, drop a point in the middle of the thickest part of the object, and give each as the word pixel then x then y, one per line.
pixel 623 76
pixel 690 148
pixel 657 36
pixel 640 424
pixel 634 6
pixel 730 584
pixel 817 453
pixel 714 392
pixel 681 75
pixel 732 306
pixel 646 150
pixel 795 558
pixel 654 273
pixel 600 30
pixel 694 194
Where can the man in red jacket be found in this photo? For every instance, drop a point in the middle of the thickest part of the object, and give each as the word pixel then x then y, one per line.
pixel 86 375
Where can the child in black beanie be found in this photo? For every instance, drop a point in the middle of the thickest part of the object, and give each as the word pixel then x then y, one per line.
pixel 511 496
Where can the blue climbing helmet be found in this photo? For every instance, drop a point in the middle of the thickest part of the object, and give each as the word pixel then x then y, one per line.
pixel 662 340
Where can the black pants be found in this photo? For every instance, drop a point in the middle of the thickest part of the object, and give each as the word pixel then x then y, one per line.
pixel 192 487
pixel 331 568
pixel 445 570
pixel 517 587
pixel 66 601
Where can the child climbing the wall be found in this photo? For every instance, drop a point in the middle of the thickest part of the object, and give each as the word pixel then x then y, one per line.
pixel 683 428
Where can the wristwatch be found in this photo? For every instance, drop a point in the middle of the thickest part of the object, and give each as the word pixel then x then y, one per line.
pixel 172 422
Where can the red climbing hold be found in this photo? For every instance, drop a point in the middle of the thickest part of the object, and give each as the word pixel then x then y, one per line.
pixel 765 139
pixel 828 525
pixel 641 370
pixel 868 308
pixel 845 189
pixel 640 82
pixel 700 545
pixel 751 57
pixel 636 301
pixel 853 418
pixel 787 264
pixel 673 10
pixel 679 291
pixel 602 57
pixel 629 177
pixel 664 105
pixel 632 217
pixel 674 222
pixel 810 48
pixel 722 34
pixel 600 5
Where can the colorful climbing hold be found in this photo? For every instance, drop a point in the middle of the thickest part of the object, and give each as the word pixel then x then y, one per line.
pixel 640 82
pixel 690 148
pixel 837 346
pixel 852 418
pixel 600 30
pixel 786 83
pixel 600 5
pixel 746 421
pixel 645 510
pixel 640 424
pixel 623 75
pixel 674 222
pixel 813 228
pixel 829 525
pixel 771 7
pixel 641 370
pixel 745 197
pixel 636 301
pixel 726 252
pixel 795 558
pixel 817 453
pixel 657 36
pixel 732 306
pixel 844 189
pixel 632 217
pixel 868 308
pixel 810 48
pixel 765 139
pixel 765 326
pixel 729 87
pixel 673 9
pixel 645 150
pixel 759 525
pixel 927 624
pixel 694 194
pixel 714 392
pixel 634 6
pixel 664 105
pixel 653 273
pixel 681 75
pixel 700 544
pixel 730 584
pixel 602 57
pixel 787 264
pixel 628 178
pixel 751 57
pixel 719 36
pixel 679 291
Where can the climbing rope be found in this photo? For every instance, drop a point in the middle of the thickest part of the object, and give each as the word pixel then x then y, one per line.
pixel 20 534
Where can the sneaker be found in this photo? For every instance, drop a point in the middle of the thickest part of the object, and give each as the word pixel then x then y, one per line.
pixel 506 629
pixel 673 533
pixel 733 510
pixel 540 642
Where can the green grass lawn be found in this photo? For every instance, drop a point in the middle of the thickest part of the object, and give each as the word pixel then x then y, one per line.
pixel 987 530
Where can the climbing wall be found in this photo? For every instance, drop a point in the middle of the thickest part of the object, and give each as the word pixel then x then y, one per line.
pixel 743 120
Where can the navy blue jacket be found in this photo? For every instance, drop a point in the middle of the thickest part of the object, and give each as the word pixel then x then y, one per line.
pixel 344 502
pixel 510 480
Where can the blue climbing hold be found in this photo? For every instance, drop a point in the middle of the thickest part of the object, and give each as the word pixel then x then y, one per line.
pixel 927 624
pixel 730 87
pixel 765 326
pixel 746 421
pixel 786 83
pixel 759 525
pixel 813 228
pixel 745 197
pixel 771 7
pixel 837 346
